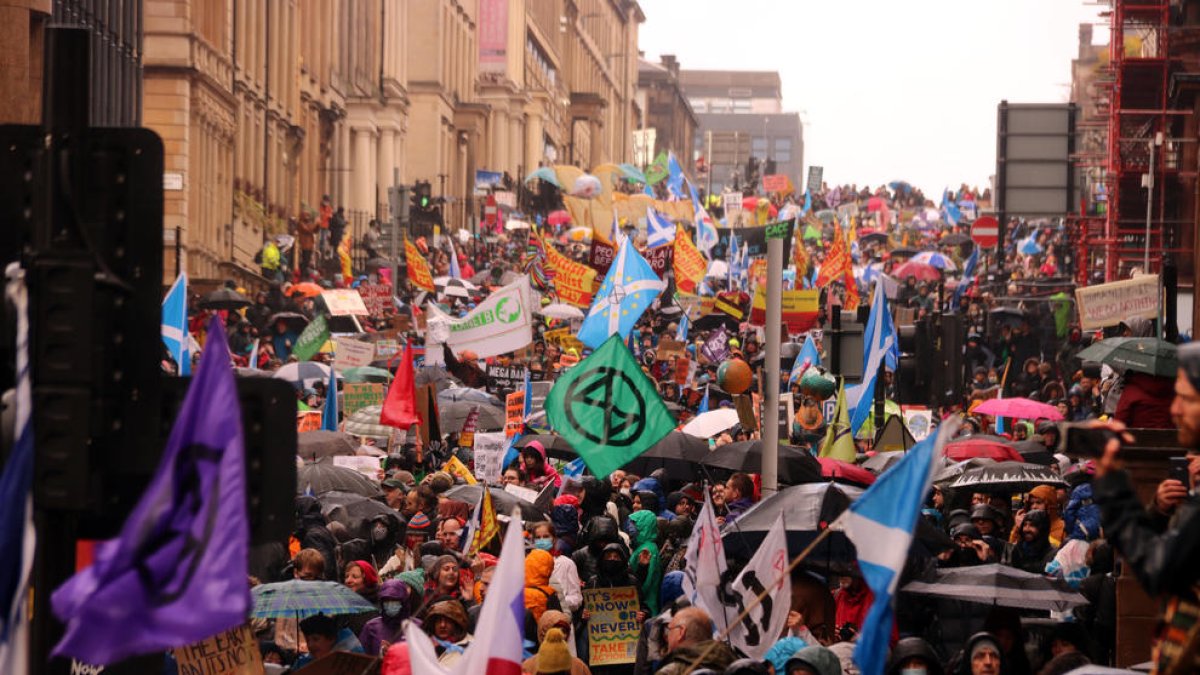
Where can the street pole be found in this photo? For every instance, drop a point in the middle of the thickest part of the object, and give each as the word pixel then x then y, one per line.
pixel 709 157
pixel 770 416
pixel 1149 181
pixel 400 217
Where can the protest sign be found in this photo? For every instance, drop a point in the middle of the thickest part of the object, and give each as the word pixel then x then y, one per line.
pixel 602 254
pixel 660 258
pixel 1109 304
pixel 344 302
pixel 528 494
pixel 455 467
pixel 816 175
pixel 731 202
pixel 351 353
pixel 613 627
pixel 386 349
pixel 358 395
pixel 377 298
pixel 574 282
pixel 489 456
pixel 918 419
pixel 367 466
pixel 668 348
pixel 683 371
pixel 308 420
pixel 233 652
pixel 514 413
pixel 563 338
pixel 504 379
pixel 778 183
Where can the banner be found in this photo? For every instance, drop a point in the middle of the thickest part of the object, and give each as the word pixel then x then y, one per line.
pixel 683 371
pixel 489 456
pixel 800 308
pixel 344 302
pixel 612 628
pixel 504 379
pixel 514 413
pixel 501 323
pixel 358 395
pixel 314 336
pixel 351 353
pixel 778 182
pixel 308 420
pixel 766 572
pixel 752 240
pixel 574 282
pixel 1109 304
pixel 659 258
pixel 563 337
pixel 234 652
pixel 455 467
pixel 377 298
pixel 602 254
pixel 689 264
pixel 418 267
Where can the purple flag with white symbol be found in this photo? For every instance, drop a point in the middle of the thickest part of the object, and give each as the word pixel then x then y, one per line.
pixel 177 573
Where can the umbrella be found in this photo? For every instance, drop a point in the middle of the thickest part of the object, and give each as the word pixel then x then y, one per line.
pixel 325 476
pixel 579 234
pixel 513 224
pixel 999 585
pixel 718 268
pixel 956 239
pixel 351 510
pixel 1143 355
pixel 297 599
pixel 796 466
pixel 678 454
pixel 1018 408
pixel 879 237
pixel 376 264
pixel 920 271
pixel 545 173
pixel 1029 246
pixel 469 395
pixel 560 310
pixel 711 423
pixel 451 415
pixel 903 252
pixel 306 289
pixel 1034 452
pixel 826 215
pixel 1008 313
pixel 947 474
pixel 934 259
pixel 294 320
pixel 808 509
pixel 559 217
pixel 317 444
pixel 1007 477
pixel 989 447
pixel 845 472
pixel 251 372
pixel 365 422
pixel 225 298
pixel 503 500
pixel 556 446
pixel 367 374
pixel 882 461
pixel 458 288
pixel 303 374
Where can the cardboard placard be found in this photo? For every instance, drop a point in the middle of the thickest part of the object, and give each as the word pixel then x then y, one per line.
pixel 528 494
pixel 358 395
pixel 367 466
pixel 377 298
pixel 778 182
pixel 670 348
pixel 613 627
pixel 489 456
pixel 683 371
pixel 351 353
pixel 563 338
pixel 344 302
pixel 502 380
pixel 308 420
pixel 1109 304
pixel 514 413
pixel 386 349
pixel 233 652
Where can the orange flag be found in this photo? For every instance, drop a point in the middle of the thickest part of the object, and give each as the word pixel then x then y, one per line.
pixel 688 262
pixel 837 262
pixel 418 268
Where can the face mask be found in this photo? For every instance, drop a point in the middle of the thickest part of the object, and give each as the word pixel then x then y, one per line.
pixel 913 671
pixel 994 380
pixel 544 543
pixel 380 532
pixel 625 491
pixel 612 567
pixel 392 607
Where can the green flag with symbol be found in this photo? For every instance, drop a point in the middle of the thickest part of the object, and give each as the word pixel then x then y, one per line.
pixel 315 335
pixel 657 170
pixel 607 409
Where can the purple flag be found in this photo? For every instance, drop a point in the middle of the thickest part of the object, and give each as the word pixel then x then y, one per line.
pixel 177 573
pixel 716 348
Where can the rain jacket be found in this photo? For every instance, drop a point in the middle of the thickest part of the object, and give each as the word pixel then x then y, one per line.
pixel 600 531
pixel 1057 526
pixel 312 533
pixel 384 628
pixel 852 604
pixel 1145 401
pixel 649 575
pixel 539 565
pixel 652 485
pixel 1033 556
pixel 551 474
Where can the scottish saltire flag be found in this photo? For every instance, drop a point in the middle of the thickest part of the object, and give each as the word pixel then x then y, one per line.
pixel 498 631
pixel 17 535
pixel 628 289
pixel 732 261
pixel 527 405
pixel 879 348
pixel 706 233
pixel 674 176
pixel 807 204
pixel 682 333
pixel 646 188
pixel 950 210
pixel 175 324
pixel 881 524
pixel 659 231
pixel 329 415
pixel 703 403
pixel 455 271
pixel 807 358
pixel 176 574
pixel 254 354
pixel 968 278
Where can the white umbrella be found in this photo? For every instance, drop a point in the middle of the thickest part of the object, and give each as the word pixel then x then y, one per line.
pixel 560 310
pixel 515 224
pixel 448 286
pixel 711 423
pixel 718 268
pixel 303 374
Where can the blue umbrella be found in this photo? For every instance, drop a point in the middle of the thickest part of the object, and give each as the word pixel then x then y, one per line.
pixel 299 599
pixel 935 259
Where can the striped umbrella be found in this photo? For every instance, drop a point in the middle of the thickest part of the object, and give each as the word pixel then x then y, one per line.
pixel 365 422
pixel 297 599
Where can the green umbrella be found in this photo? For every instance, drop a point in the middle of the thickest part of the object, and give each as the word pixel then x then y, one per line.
pixel 299 599
pixel 1144 355
pixel 367 374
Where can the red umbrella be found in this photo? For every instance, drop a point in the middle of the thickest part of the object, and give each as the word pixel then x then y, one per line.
pixel 921 271
pixel 558 217
pixel 875 204
pixel 845 472
pixel 981 446
pixel 1018 408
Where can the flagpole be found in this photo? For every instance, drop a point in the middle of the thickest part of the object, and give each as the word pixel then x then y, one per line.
pixel 774 321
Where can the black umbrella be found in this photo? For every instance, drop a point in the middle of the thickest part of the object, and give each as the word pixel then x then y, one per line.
pixel 295 320
pixel 354 511
pixel 556 446
pixel 1008 314
pixel 677 454
pixel 503 501
pixel 376 264
pixel 807 510
pixel 1007 477
pixel 225 298
pixel 1000 585
pixel 1034 452
pixel 877 237
pixel 882 461
pixel 956 239
pixel 318 444
pixel 324 476
pixel 796 465
pixel 452 414
pixel 904 252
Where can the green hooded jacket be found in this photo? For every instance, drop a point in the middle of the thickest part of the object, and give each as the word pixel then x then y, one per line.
pixel 647 540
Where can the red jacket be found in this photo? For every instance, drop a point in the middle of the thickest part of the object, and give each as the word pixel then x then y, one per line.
pixel 1145 401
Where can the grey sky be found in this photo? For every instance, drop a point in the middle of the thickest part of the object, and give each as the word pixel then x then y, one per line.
pixel 888 90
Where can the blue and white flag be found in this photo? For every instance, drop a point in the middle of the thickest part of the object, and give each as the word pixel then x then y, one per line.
pixel 881 524
pixel 968 278
pixel 807 204
pixel 455 271
pixel 807 358
pixel 527 404
pixel 674 176
pixel 628 289
pixel 706 232
pixel 733 259
pixel 574 468
pixel 17 534
pixel 879 348
pixel 659 231
pixel 175 324
pixel 703 408
pixel 254 354
pixel 950 210
pixel 682 333
pixel 329 416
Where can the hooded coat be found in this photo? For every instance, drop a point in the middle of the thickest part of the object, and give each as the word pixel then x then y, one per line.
pixel 1033 556
pixel 539 565
pixel 1057 527
pixel 386 628
pixel 660 497
pixel 312 533
pixel 649 574
pixel 550 474
pixel 600 531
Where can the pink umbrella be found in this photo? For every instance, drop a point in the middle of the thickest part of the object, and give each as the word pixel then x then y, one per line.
pixel 1018 408
pixel 838 470
pixel 921 271
pixel 558 217
pixel 875 204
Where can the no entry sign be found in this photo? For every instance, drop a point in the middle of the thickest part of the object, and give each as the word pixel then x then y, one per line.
pixel 986 232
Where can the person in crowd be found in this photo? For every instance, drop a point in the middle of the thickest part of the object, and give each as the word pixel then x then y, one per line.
pixel 445 621
pixel 539 594
pixel 645 562
pixel 738 497
pixel 913 656
pixel 321 636
pixel 538 471
pixel 396 603
pixel 311 533
pixel 1041 498
pixel 690 641
pixel 564 578
pixel 814 660
pixel 553 656
pixel 1033 551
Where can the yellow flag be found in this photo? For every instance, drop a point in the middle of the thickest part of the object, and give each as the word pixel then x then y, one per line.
pixel 488 527
pixel 455 467
pixel 839 441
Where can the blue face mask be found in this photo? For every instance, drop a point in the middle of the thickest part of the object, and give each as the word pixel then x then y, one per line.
pixel 544 544
pixel 392 607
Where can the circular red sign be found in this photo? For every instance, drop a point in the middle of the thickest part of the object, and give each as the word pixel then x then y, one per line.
pixel 986 231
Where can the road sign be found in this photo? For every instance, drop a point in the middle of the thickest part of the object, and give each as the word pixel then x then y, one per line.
pixel 986 231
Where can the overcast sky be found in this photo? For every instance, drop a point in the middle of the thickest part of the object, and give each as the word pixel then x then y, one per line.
pixel 887 90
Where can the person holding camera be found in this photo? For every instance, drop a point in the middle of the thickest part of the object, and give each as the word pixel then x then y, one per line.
pixel 1163 549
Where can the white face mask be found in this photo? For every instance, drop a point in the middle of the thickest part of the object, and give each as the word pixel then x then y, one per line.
pixel 914 671
pixel 625 491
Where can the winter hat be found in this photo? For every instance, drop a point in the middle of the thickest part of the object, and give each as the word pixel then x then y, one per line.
pixel 1189 362
pixel 419 524
pixel 783 650
pixel 370 576
pixel 553 656
pixel 818 658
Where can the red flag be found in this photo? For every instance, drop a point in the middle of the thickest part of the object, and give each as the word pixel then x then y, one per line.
pixel 400 406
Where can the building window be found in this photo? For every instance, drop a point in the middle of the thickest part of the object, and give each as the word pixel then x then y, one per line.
pixel 741 106
pixel 758 146
pixel 783 156
pixel 783 144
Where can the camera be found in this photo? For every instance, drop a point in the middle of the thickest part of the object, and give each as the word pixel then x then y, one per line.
pixel 1081 440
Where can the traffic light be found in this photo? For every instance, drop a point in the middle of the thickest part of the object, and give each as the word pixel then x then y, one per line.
pixel 424 193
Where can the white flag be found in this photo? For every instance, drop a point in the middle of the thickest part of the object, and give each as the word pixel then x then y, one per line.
pixel 766 571
pixel 705 565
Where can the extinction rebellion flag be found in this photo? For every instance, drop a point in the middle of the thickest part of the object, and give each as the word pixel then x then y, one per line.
pixel 608 409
